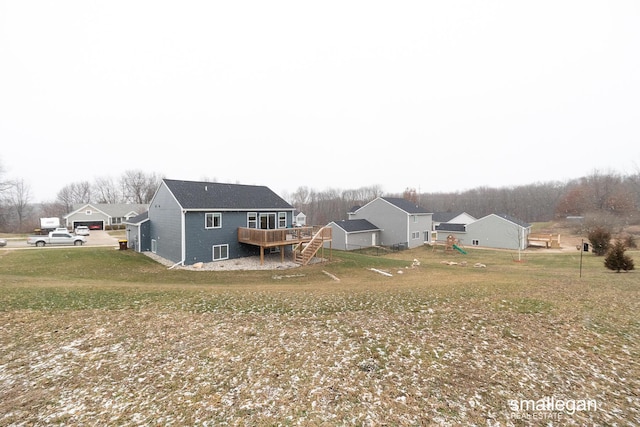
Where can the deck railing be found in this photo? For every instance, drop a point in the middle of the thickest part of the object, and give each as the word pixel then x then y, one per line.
pixel 280 236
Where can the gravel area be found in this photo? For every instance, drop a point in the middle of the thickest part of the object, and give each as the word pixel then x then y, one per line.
pixel 271 262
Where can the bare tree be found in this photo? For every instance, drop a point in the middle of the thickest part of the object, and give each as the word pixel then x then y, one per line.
pixel 76 193
pixel 107 191
pixel 139 187
pixel 18 199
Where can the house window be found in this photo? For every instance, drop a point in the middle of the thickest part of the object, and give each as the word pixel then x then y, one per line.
pixel 88 212
pixel 154 246
pixel 267 221
pixel 475 242
pixel 213 220
pixel 282 220
pixel 415 218
pixel 415 235
pixel 252 220
pixel 220 252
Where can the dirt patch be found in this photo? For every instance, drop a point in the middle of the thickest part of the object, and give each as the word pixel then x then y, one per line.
pixel 271 262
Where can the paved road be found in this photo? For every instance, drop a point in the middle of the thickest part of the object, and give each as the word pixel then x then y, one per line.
pixel 95 238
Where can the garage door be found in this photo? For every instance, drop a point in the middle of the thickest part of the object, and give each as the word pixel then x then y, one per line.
pixel 93 225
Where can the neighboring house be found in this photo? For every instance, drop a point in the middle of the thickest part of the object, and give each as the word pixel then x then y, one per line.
pixel 452 217
pixel 300 219
pixel 491 231
pixel 190 222
pixel 445 221
pixel 102 215
pixel 352 234
pixel 402 223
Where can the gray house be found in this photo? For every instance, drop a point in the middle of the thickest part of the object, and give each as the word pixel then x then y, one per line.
pixel 491 231
pixel 102 215
pixel 352 234
pixel 401 222
pixel 191 221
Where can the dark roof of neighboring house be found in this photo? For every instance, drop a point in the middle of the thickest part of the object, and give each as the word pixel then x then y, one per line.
pixel 215 195
pixel 111 209
pixel 514 220
pixel 447 226
pixel 445 216
pixel 406 205
pixel 354 208
pixel 355 225
pixel 138 218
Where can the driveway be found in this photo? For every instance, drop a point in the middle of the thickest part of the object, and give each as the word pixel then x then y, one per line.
pixel 96 238
pixel 101 238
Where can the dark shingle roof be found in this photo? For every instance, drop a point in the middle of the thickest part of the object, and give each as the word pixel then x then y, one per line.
pixel 447 226
pixel 406 205
pixel 215 195
pixel 354 225
pixel 445 216
pixel 138 218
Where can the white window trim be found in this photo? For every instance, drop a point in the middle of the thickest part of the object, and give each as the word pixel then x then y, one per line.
pixel 213 215
pixel 254 220
pixel 282 216
pixel 213 252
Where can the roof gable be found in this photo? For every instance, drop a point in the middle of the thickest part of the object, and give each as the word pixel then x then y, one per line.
pixel 444 216
pixel 197 195
pixel 115 210
pixel 508 218
pixel 450 216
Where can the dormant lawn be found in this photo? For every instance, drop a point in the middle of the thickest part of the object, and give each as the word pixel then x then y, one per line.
pixel 106 337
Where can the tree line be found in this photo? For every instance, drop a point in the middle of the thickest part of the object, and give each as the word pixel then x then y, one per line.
pixel 608 198
pixel 612 199
pixel 18 212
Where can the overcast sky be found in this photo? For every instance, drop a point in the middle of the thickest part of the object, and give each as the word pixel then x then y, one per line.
pixel 437 96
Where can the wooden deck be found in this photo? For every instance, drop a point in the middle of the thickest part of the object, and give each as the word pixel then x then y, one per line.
pixel 281 237
pixel 549 240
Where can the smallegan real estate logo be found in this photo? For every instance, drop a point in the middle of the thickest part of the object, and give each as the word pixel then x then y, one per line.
pixel 549 408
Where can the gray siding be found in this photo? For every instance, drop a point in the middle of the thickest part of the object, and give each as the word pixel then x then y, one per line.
pixel 200 240
pixel 493 231
pixel 360 240
pixel 138 237
pixel 397 225
pixel 96 216
pixel 165 217
pixel 343 241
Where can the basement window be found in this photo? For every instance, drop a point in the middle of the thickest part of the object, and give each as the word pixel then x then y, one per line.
pixel 475 242
pixel 220 252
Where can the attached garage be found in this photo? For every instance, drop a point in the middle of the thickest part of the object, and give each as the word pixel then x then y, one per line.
pixel 101 216
pixel 352 234
pixel 93 225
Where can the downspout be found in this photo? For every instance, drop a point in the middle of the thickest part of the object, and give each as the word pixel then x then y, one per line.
pixel 184 237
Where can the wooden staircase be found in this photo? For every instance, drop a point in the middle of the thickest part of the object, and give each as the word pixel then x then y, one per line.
pixel 311 248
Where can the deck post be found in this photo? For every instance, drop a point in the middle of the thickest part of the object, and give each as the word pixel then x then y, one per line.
pixel 261 255
pixel 282 253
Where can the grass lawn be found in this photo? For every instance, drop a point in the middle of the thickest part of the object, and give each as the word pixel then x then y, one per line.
pixel 98 336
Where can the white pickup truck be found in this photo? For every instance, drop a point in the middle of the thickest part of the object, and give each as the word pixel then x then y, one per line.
pixel 57 238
